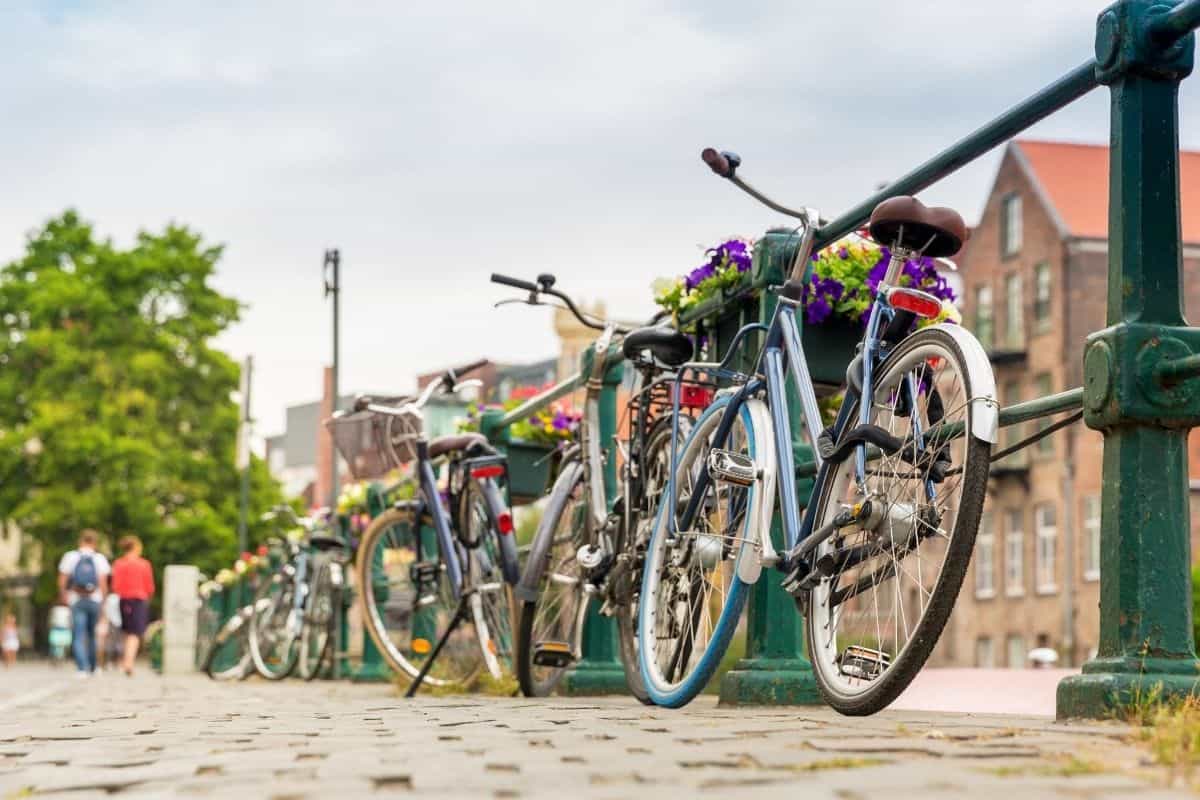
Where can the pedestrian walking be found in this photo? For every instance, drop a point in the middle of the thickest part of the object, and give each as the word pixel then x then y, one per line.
pixel 82 583
pixel 133 582
pixel 10 639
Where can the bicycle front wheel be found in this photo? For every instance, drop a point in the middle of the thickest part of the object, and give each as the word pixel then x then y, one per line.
pixel 692 596
pixel 228 656
pixel 549 626
pixel 893 575
pixel 274 628
pixel 407 601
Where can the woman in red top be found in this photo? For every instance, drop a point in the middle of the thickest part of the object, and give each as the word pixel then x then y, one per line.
pixel 133 582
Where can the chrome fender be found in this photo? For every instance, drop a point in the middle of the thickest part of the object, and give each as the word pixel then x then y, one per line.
pixel 758 548
pixel 985 408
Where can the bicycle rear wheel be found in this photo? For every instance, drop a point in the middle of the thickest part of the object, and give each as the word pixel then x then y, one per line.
pixel 407 601
pixel 893 576
pixel 493 561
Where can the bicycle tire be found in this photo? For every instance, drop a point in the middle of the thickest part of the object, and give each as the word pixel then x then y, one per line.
pixel 373 614
pixel 279 609
pixel 912 656
pixel 660 688
pixel 570 479
pixel 658 438
pixel 235 630
pixel 312 661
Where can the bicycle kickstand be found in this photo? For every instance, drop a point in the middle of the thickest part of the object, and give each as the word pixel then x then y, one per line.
pixel 460 616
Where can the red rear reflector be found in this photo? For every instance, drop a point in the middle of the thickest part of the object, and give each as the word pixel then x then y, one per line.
pixel 504 522
pixel 490 471
pixel 693 395
pixel 919 303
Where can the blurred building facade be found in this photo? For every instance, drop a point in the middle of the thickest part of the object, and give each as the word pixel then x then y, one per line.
pixel 1035 282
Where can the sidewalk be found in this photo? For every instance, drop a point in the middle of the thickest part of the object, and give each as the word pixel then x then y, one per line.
pixel 189 737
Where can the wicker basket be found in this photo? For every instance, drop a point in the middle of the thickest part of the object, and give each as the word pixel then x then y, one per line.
pixel 373 444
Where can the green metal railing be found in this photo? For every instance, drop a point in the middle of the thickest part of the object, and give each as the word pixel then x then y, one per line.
pixel 1140 388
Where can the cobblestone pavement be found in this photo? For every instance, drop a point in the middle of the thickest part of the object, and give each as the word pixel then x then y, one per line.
pixel 189 737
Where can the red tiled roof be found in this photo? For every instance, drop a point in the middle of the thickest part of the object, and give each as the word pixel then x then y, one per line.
pixel 1074 178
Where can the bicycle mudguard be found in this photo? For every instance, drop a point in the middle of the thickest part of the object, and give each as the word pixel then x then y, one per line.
pixel 509 564
pixel 543 540
pixel 985 409
pixel 758 549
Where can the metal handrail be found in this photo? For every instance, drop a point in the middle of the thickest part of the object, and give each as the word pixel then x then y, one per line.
pixel 540 401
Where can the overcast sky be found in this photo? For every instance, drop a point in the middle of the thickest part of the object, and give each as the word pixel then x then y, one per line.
pixel 435 143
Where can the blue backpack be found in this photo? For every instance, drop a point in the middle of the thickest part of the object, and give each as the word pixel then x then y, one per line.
pixel 84 576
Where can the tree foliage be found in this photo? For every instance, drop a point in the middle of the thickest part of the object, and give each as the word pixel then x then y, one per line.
pixel 116 412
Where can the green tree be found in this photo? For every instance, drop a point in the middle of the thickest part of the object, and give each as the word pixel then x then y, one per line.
pixel 116 412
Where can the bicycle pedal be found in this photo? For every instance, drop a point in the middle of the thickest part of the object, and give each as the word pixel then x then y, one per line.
pixel 730 467
pixel 863 662
pixel 553 654
pixel 422 572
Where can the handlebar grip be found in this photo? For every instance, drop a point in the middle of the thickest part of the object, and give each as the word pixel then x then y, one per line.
pixel 516 283
pixel 458 372
pixel 722 163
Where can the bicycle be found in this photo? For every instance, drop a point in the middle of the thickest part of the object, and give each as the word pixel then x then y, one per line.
pixel 878 557
pixel 583 548
pixel 228 655
pixel 421 568
pixel 294 614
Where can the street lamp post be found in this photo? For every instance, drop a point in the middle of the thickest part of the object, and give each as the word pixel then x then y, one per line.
pixel 244 454
pixel 333 286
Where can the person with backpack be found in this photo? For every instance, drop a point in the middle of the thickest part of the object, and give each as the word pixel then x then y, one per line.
pixel 82 584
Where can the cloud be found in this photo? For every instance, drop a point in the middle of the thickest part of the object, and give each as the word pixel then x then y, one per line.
pixel 437 143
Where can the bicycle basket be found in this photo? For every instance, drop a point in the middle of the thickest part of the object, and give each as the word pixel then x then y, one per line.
pixel 373 444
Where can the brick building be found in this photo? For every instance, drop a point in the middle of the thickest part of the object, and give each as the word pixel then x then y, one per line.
pixel 1035 284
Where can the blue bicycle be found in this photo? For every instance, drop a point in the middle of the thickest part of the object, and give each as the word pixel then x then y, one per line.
pixel 878 557
pixel 446 556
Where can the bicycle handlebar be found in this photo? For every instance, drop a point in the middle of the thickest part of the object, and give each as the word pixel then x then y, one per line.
pixel 722 163
pixel 516 283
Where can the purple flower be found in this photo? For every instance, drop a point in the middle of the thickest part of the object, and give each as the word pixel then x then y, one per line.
pixel 843 254
pixel 817 310
pixel 562 421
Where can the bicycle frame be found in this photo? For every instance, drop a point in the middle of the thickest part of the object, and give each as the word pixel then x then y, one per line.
pixel 782 353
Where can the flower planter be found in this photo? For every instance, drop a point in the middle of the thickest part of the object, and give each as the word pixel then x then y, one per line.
pixel 530 470
pixel 829 348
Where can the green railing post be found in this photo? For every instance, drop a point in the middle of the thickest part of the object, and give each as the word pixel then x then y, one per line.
pixel 372 667
pixel 1143 412
pixel 774 670
pixel 600 670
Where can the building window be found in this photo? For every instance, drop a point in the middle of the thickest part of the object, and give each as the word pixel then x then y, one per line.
pixel 1041 297
pixel 1016 651
pixel 1044 387
pixel 1014 553
pixel 1046 526
pixel 1091 538
pixel 1014 313
pixel 985 654
pixel 1010 394
pixel 985 325
pixel 985 559
pixel 1011 228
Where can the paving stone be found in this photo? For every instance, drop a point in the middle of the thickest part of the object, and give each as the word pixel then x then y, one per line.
pixel 192 738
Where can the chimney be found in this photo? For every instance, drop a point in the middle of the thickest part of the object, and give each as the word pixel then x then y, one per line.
pixel 324 440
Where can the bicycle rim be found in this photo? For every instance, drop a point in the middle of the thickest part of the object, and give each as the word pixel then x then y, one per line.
pixel 273 646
